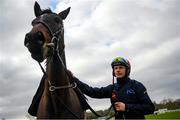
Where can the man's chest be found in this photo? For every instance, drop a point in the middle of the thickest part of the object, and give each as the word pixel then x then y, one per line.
pixel 126 93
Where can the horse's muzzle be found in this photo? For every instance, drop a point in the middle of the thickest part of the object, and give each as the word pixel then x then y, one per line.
pixel 34 43
pixel 36 38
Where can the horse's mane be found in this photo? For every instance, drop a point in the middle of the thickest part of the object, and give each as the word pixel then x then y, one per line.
pixel 46 11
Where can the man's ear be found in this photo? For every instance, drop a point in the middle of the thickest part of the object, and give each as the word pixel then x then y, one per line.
pixel 63 14
pixel 113 73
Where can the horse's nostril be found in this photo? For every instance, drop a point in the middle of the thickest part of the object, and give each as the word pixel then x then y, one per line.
pixel 27 44
pixel 39 33
pixel 40 42
pixel 40 38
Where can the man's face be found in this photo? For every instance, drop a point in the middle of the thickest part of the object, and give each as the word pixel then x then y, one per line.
pixel 120 71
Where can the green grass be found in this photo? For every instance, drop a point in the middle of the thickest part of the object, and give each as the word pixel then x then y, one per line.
pixel 168 115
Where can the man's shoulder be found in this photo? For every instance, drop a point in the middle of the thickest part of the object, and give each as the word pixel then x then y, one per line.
pixel 136 83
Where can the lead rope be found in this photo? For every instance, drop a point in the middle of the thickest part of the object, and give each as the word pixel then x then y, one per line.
pixel 42 69
pixel 44 72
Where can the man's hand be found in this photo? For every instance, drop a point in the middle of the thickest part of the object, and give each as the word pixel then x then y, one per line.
pixel 119 106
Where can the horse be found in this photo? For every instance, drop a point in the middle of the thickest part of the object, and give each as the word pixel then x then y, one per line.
pixel 45 41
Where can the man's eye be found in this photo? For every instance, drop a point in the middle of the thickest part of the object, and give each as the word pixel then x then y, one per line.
pixel 116 68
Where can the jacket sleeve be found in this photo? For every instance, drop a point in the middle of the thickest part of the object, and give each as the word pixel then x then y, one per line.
pixel 145 105
pixel 94 92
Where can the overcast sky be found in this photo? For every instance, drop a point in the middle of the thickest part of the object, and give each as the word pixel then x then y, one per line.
pixel 147 32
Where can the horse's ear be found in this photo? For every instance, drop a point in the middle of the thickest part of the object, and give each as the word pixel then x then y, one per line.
pixel 63 14
pixel 37 9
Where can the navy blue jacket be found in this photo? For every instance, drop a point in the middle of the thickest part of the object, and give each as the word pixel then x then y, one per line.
pixel 131 92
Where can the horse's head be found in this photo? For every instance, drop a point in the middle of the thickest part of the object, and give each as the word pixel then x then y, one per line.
pixel 46 26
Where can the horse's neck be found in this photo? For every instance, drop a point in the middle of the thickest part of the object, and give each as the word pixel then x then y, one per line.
pixel 56 72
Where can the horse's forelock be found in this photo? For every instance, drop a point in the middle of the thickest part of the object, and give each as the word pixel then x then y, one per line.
pixel 46 11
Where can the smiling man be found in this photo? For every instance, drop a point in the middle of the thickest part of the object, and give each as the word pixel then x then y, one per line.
pixel 128 97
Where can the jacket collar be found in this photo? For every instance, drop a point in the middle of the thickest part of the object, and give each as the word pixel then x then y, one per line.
pixel 122 81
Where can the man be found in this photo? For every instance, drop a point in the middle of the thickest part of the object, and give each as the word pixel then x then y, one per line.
pixel 128 97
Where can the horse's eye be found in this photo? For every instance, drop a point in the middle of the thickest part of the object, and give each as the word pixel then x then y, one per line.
pixel 34 22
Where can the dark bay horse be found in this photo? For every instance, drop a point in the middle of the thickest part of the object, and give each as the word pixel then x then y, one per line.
pixel 46 41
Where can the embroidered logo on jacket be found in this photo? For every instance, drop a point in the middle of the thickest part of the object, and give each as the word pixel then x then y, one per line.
pixel 130 91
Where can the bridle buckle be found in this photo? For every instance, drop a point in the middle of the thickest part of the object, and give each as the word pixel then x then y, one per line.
pixel 52 88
